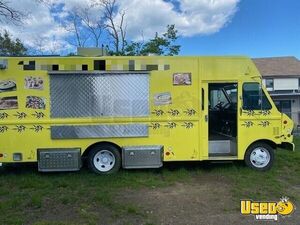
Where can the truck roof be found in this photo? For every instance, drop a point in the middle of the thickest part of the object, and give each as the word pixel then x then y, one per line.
pixel 123 57
pixel 209 67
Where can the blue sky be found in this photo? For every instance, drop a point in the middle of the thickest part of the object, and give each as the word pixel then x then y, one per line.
pixel 259 28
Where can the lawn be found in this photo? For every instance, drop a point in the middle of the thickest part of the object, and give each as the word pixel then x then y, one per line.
pixel 139 196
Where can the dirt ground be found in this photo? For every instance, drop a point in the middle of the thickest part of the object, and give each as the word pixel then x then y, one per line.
pixel 205 201
pixel 206 198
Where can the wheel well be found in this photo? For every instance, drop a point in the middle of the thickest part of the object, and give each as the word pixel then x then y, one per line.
pixel 86 152
pixel 266 141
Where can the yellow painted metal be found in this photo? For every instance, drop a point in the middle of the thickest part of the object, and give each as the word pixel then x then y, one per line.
pixel 184 135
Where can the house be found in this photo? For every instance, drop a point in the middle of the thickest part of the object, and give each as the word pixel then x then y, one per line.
pixel 281 76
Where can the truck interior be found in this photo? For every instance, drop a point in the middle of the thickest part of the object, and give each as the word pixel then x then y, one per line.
pixel 222 119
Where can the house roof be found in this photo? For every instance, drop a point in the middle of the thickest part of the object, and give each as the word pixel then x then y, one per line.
pixel 278 66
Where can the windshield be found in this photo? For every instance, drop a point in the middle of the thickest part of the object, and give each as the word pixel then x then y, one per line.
pixel 224 95
pixel 231 92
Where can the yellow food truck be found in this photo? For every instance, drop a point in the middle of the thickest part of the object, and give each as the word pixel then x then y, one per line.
pixel 136 112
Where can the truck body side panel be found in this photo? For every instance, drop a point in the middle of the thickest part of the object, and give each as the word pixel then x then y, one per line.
pixel 175 117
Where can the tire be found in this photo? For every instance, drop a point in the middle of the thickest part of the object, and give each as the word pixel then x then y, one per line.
pixel 104 159
pixel 259 156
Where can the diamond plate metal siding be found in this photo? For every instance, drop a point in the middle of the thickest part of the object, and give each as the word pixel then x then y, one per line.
pixel 99 95
pixel 59 159
pixel 142 156
pixel 99 131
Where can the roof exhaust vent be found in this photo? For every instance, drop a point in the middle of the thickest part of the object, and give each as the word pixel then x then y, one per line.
pixel 91 52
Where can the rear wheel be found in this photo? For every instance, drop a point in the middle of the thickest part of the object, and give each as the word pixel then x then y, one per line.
pixel 259 156
pixel 104 159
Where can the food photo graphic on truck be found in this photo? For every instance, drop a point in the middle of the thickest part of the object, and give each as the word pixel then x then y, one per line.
pixel 137 112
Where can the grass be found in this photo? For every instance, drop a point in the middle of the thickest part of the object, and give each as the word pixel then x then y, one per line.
pixel 26 195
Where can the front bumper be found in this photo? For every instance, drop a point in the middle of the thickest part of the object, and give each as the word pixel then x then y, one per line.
pixel 287 145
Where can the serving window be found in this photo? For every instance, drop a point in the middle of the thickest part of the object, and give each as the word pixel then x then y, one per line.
pixel 99 95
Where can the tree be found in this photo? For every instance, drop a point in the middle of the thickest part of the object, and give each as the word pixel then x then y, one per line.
pixel 134 48
pixel 159 45
pixel 85 28
pixel 163 45
pixel 94 26
pixel 11 47
pixel 73 24
pixel 9 14
pixel 114 24
pixel 103 23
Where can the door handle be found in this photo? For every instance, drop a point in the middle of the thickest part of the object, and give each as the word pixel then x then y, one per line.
pixel 206 118
pixel 202 99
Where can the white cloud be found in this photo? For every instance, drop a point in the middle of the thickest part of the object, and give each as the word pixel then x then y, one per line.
pixel 39 29
pixel 192 17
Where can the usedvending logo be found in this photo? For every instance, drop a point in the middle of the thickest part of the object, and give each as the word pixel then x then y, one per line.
pixel 267 210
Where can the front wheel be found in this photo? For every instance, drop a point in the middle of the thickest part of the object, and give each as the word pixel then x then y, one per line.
pixel 104 159
pixel 259 156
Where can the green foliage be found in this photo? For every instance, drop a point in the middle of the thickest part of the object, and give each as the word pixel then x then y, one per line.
pixel 159 45
pixel 163 45
pixel 11 47
pixel 134 48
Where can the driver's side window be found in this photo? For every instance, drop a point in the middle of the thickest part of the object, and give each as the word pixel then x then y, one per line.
pixel 254 98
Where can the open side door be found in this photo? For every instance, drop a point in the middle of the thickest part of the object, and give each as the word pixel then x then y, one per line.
pixel 204 121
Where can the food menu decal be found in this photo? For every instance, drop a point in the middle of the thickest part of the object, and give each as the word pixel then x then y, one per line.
pixel 34 83
pixel 8 85
pixel 32 101
pixel 9 103
pixel 182 79
pixel 164 98
pixel 35 102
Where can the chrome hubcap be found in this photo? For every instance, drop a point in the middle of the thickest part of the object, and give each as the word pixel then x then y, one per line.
pixel 104 160
pixel 260 157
